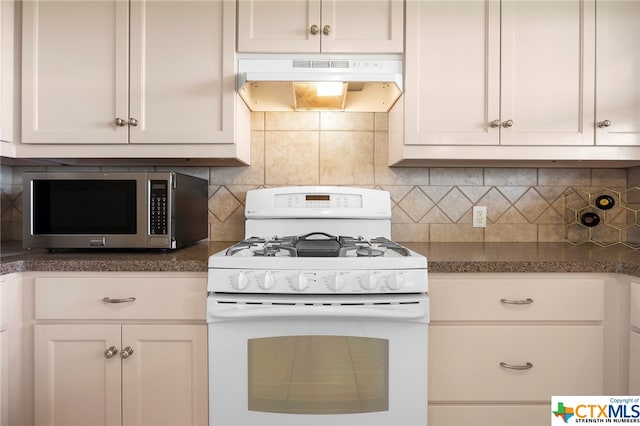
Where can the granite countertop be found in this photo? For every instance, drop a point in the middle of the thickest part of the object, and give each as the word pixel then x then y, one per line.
pixel 442 257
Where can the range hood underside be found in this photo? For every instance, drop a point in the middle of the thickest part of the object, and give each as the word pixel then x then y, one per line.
pixel 280 96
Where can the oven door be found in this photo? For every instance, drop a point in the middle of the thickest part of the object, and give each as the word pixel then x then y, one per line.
pixel 346 360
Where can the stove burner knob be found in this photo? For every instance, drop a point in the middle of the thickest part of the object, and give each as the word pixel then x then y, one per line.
pixel 268 282
pixel 241 281
pixel 301 283
pixel 369 281
pixel 396 281
pixel 336 282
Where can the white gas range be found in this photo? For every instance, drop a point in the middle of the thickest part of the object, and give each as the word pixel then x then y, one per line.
pixel 317 317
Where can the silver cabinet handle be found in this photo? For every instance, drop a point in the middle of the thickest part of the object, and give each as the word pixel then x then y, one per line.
pixel 126 352
pixel 494 124
pixel 526 301
pixel 125 300
pixel 507 124
pixel 133 122
pixel 326 30
pixel 111 352
pixel 526 366
pixel 314 29
pixel 120 122
pixel 604 123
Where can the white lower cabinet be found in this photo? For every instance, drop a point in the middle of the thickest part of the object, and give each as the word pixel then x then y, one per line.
pixel 501 345
pixel 634 340
pixel 122 363
pixel 634 363
pixel 82 379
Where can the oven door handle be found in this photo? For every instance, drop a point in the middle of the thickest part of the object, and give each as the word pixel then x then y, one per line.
pixel 397 312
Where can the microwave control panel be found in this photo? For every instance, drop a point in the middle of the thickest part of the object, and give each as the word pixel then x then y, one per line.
pixel 158 209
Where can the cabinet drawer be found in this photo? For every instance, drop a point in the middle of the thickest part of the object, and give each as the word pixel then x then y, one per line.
pixel 634 300
pixel 464 362
pixel 156 297
pixel 516 299
pixel 489 415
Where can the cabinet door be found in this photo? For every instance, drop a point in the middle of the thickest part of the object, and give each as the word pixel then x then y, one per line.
pixel 452 69
pixel 4 378
pixel 375 26
pixel 282 26
pixel 182 71
pixel 165 378
pixel 75 384
pixel 75 71
pixel 634 363
pixel 547 72
pixel 7 90
pixel 618 72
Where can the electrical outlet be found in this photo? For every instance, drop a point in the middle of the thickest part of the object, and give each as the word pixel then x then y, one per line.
pixel 479 216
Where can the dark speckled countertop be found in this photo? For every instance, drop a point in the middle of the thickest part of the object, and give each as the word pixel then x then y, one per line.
pixel 442 257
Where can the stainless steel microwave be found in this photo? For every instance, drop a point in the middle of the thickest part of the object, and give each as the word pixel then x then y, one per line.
pixel 160 210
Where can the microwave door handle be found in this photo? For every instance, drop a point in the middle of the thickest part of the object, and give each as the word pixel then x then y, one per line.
pixel 399 312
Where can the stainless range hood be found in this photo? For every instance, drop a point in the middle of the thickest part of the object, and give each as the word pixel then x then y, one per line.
pixel 358 83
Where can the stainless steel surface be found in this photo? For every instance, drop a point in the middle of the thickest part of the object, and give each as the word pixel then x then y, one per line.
pixel 120 122
pixel 507 124
pixel 180 219
pixel 133 122
pixel 527 301
pixel 314 29
pixel 326 30
pixel 126 352
pixel 111 352
pixel 604 123
pixel 495 123
pixel 526 366
pixel 125 300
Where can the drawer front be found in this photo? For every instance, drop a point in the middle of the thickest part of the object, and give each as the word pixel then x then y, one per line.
pixel 489 415
pixel 464 362
pixel 516 299
pixel 635 304
pixel 634 363
pixel 170 298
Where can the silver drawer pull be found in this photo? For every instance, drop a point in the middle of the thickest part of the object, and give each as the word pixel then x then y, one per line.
pixel 125 300
pixel 527 366
pixel 527 301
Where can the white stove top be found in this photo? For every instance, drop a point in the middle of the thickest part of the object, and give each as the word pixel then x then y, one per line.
pixel 316 258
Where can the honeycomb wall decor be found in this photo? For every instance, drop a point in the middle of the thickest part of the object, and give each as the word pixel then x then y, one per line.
pixel 602 216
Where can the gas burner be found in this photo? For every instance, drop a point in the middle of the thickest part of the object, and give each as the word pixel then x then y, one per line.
pixel 369 252
pixel 317 244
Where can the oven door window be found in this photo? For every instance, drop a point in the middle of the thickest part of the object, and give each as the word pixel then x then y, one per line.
pixel 318 374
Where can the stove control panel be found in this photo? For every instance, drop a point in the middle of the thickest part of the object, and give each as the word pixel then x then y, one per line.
pixel 318 281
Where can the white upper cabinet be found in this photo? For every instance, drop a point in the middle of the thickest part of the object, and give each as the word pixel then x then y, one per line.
pixel 547 72
pixel 182 71
pixel 312 26
pixel 133 74
pixel 452 69
pixel 75 65
pixel 618 72
pixel 8 92
pixel 515 80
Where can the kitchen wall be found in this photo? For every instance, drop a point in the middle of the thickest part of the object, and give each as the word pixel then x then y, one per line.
pixel 429 204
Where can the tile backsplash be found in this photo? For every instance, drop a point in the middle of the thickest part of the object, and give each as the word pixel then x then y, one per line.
pixel 323 148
